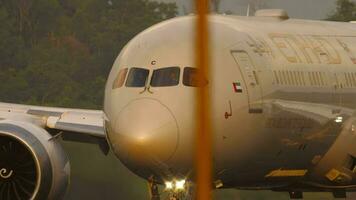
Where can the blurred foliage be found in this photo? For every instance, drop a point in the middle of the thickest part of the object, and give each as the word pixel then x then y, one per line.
pixel 345 11
pixel 59 52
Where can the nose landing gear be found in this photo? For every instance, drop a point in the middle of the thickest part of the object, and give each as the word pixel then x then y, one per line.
pixel 153 190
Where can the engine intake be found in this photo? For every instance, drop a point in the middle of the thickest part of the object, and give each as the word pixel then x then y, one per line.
pixel 32 164
pixel 18 169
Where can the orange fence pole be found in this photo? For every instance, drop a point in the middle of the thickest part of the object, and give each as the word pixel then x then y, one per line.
pixel 203 154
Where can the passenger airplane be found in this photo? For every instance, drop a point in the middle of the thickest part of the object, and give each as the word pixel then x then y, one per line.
pixel 283 111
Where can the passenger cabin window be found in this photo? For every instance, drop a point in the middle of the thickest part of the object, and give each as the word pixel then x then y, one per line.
pixel 276 77
pixel 165 77
pixel 191 79
pixel 303 79
pixel 310 79
pixel 348 80
pixel 321 78
pixel 288 78
pixel 281 77
pixel 137 77
pixel 299 77
pixel 291 78
pixel 120 79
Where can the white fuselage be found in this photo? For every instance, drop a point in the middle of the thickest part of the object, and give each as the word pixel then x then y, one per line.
pixel 282 100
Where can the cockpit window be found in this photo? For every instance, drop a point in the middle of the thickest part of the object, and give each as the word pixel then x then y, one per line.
pixel 120 79
pixel 165 77
pixel 137 77
pixel 191 79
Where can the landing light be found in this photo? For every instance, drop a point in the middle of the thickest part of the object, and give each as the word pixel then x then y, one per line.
pixel 338 119
pixel 175 185
pixel 169 185
pixel 180 185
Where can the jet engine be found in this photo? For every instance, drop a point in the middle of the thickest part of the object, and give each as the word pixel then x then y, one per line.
pixel 33 164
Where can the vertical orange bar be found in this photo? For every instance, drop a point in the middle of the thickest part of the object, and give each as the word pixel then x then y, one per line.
pixel 203 138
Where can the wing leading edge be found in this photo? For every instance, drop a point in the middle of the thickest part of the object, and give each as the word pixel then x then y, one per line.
pixel 87 122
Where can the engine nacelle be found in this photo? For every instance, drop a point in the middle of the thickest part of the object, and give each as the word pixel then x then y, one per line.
pixel 33 164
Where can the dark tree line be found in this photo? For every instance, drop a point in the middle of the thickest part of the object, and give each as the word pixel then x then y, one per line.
pixel 59 52
pixel 345 11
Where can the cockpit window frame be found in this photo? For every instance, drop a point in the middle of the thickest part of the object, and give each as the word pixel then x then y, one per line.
pixel 120 79
pixel 132 70
pixel 185 83
pixel 176 83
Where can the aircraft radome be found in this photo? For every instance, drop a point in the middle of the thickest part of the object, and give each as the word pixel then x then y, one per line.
pixel 282 114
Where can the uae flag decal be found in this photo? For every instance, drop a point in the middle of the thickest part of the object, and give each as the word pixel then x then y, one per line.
pixel 237 87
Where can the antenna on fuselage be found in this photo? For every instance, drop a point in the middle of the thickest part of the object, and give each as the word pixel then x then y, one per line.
pixel 248 10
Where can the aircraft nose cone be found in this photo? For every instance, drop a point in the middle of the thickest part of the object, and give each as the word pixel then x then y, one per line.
pixel 146 132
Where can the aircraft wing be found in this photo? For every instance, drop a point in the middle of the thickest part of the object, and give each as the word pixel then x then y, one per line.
pixel 74 121
pixel 320 113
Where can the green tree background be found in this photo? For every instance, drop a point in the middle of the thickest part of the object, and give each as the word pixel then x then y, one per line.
pixel 345 11
pixel 59 53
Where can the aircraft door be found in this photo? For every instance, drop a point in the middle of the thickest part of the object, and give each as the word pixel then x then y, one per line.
pixel 250 80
